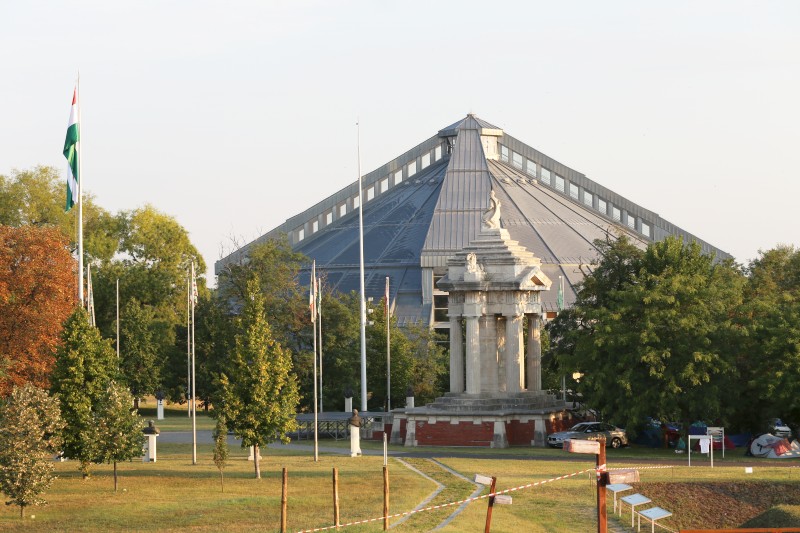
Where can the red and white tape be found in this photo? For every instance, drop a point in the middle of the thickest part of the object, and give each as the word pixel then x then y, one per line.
pixel 449 504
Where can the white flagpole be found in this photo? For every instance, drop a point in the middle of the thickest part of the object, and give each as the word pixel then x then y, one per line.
pixel 188 348
pixel 313 310
pixel 79 148
pixel 319 318
pixel 90 296
pixel 363 303
pixel 117 319
pixel 194 391
pixel 388 355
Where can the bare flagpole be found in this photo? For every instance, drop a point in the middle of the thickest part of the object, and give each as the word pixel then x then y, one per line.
pixel 117 318
pixel 194 390
pixel 188 348
pixel 313 310
pixel 362 303
pixel 319 317
pixel 388 354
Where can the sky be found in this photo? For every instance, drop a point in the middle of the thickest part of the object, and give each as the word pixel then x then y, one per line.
pixel 234 116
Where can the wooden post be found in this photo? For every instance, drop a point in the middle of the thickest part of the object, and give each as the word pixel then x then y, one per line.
pixel 491 504
pixel 284 497
pixel 602 477
pixel 336 497
pixel 385 498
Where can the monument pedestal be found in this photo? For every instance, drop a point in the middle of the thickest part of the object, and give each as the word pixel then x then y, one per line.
pixel 150 455
pixel 485 420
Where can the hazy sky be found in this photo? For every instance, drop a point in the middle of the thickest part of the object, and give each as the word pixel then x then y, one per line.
pixel 234 116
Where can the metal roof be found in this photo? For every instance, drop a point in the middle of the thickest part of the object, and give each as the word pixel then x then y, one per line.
pixel 435 210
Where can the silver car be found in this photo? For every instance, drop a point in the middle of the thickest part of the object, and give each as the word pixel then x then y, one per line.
pixel 615 437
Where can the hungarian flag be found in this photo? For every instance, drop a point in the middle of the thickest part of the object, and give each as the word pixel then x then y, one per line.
pixel 71 152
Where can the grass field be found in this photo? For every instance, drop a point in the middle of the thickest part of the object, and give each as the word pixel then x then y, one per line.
pixel 174 495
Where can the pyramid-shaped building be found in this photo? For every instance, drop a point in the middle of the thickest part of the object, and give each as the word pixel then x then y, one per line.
pixel 426 205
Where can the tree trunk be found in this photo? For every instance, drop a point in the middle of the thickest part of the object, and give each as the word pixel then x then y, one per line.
pixel 256 462
pixel 222 480
pixel 115 476
pixel 136 402
pixel 22 511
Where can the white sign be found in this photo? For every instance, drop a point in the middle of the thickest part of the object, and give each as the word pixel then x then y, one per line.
pixel 582 446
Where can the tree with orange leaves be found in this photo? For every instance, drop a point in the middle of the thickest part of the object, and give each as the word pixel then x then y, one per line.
pixel 37 294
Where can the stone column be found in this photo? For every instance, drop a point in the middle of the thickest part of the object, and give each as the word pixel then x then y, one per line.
pixel 534 354
pixel 473 359
pixel 514 355
pixel 500 327
pixel 488 355
pixel 456 355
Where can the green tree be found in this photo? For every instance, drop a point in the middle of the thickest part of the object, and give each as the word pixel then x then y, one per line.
pixel 36 198
pixel 769 360
pixel 653 334
pixel 259 394
pixel 85 364
pixel 139 361
pixel 116 429
pixel 277 268
pixel 30 433
pixel 221 448
pixel 418 360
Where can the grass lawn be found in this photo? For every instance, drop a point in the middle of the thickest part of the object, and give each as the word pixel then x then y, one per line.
pixel 174 495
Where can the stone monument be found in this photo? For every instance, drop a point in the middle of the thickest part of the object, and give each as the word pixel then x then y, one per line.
pixel 355 423
pixel 496 396
pixel 151 431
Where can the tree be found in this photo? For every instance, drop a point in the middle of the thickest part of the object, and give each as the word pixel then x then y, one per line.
pixel 117 429
pixel 653 334
pixel 258 392
pixel 139 362
pixel 277 268
pixel 30 433
pixel 85 365
pixel 36 198
pixel 221 448
pixel 417 360
pixel 769 359
pixel 37 293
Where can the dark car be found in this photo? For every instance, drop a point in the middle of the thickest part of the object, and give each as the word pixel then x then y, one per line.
pixel 615 437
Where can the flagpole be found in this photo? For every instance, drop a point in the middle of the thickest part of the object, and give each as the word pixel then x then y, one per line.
pixel 194 390
pixel 319 318
pixel 388 355
pixel 313 310
pixel 188 348
pixel 79 149
pixel 117 320
pixel 362 303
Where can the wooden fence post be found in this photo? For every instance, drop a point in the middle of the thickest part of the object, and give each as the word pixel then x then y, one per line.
pixel 336 497
pixel 284 498
pixel 385 498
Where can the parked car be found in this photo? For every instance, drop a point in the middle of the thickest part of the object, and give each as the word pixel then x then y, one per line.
pixel 615 437
pixel 778 428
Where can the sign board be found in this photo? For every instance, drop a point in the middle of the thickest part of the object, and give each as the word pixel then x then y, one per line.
pixel 623 475
pixel 582 446
pixel 483 480
pixel 502 499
